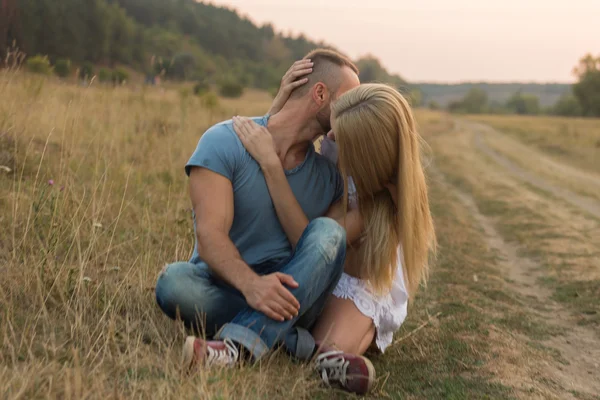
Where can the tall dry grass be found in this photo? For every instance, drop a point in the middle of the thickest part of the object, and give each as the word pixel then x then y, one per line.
pixel 93 202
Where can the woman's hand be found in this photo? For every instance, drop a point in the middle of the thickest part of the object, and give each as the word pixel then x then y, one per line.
pixel 289 82
pixel 257 140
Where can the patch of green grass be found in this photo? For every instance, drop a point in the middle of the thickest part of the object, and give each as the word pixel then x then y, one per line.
pixel 582 297
pixel 583 396
pixel 527 324
pixel 456 388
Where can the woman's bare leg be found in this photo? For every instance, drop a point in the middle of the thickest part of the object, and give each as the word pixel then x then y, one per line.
pixel 343 326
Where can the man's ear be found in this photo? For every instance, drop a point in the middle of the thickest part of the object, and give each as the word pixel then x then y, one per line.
pixel 320 94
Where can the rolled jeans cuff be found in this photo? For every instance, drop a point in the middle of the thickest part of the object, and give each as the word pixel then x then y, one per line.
pixel 245 337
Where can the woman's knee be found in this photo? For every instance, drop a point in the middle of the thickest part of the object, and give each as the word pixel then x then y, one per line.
pixel 342 325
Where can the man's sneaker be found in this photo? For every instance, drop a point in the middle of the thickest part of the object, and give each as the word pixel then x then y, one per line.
pixel 197 351
pixel 353 373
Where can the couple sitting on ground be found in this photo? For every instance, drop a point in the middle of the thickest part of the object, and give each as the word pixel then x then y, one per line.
pixel 292 251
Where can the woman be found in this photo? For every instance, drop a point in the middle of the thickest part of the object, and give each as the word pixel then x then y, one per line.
pixel 385 212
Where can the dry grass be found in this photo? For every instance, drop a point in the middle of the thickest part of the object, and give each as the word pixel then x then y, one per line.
pixel 79 258
pixel 572 140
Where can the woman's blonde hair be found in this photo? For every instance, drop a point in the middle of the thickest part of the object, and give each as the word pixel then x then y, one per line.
pixel 379 145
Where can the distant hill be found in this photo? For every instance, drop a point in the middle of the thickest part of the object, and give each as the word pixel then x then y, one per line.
pixel 443 94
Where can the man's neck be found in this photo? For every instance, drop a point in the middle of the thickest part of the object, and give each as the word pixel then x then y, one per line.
pixel 293 131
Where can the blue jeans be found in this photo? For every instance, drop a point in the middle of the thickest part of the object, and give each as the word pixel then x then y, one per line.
pixel 192 293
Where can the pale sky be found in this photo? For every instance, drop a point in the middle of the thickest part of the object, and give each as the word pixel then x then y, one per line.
pixel 446 40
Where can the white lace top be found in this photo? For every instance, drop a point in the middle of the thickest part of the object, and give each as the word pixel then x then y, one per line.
pixel 387 311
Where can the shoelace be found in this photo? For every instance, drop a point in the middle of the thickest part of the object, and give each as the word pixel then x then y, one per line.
pixel 333 366
pixel 225 357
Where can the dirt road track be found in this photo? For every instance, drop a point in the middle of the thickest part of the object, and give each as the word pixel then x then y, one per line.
pixel 587 204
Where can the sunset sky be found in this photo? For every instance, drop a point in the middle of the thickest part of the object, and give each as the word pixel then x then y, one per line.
pixel 446 40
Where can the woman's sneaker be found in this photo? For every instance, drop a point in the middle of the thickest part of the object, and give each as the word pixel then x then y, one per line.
pixel 353 373
pixel 197 351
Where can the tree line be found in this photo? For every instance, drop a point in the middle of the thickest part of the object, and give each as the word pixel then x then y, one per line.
pixel 177 39
pixel 583 100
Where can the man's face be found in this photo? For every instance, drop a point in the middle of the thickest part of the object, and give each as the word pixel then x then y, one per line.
pixel 349 81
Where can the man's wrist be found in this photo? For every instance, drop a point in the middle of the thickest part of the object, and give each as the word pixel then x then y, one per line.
pixel 245 281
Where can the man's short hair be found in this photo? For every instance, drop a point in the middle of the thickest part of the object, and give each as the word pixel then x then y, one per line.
pixel 327 65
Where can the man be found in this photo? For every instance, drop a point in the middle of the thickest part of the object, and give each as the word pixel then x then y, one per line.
pixel 244 285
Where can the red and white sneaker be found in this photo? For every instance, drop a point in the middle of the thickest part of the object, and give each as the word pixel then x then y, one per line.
pixel 197 351
pixel 353 373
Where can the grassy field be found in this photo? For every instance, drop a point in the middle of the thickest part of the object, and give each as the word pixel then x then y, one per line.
pixel 575 141
pixel 94 202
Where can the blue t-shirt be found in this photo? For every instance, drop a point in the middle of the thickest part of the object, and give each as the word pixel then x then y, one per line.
pixel 256 231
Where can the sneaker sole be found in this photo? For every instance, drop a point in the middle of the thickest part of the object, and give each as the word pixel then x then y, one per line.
pixel 187 358
pixel 371 370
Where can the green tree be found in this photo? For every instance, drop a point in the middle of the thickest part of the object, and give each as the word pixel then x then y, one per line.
pixel 474 102
pixel 567 106
pixel 371 70
pixel 587 89
pixel 523 104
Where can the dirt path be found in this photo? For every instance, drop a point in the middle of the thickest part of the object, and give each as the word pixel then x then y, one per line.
pixel 578 346
pixel 587 204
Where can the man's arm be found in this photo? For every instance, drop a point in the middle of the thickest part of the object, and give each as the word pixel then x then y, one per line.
pixel 212 200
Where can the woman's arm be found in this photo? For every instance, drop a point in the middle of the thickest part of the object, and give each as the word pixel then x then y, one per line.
pixel 352 221
pixel 289 82
pixel 259 143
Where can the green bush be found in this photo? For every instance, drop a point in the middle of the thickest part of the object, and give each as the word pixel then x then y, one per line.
pixel 104 75
pixel 86 71
pixel 433 105
pixel 39 65
pixel 201 87
pixel 230 88
pixel 210 101
pixel 120 76
pixel 62 67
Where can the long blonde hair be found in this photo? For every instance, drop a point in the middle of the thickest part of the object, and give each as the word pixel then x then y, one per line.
pixel 379 144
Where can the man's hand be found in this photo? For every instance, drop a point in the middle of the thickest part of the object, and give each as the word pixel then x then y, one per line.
pixel 268 295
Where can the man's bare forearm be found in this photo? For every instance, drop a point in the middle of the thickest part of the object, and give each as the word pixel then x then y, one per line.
pixel 218 251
